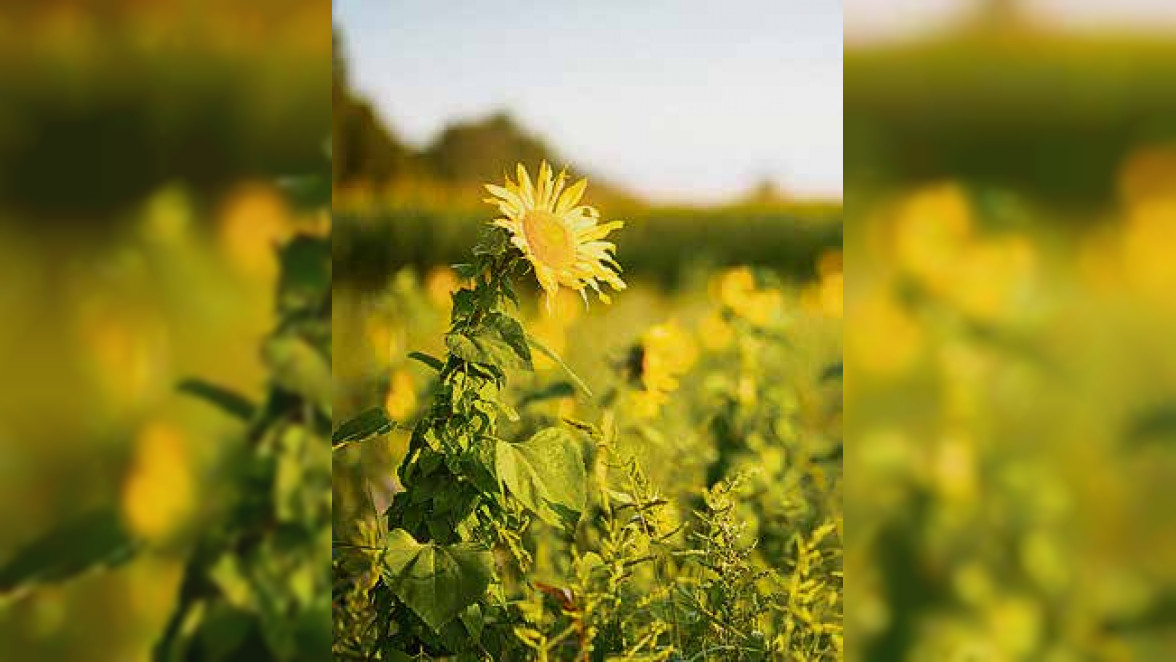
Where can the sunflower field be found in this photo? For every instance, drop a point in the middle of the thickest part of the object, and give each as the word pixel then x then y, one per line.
pixel 1012 420
pixel 541 454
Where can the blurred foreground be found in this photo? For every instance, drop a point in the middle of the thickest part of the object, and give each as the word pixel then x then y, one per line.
pixel 139 219
pixel 1010 377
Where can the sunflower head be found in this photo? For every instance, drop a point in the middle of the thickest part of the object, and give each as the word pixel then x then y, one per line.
pixel 562 239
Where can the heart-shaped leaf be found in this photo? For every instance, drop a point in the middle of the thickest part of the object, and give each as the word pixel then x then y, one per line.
pixel 437 582
pixel 546 473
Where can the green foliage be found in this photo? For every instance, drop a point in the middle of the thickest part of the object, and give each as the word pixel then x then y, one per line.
pixel 482 150
pixel 110 115
pixel 92 541
pixel 256 583
pixel 666 244
pixel 438 582
pixel 255 580
pixel 620 537
pixel 371 422
pixel 546 473
pixel 499 342
pixel 231 403
pixel 981 106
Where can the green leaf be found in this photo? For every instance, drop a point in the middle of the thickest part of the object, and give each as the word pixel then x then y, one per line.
pixel 546 473
pixel 552 391
pixel 91 541
pixel 436 581
pixel 472 618
pixel 493 242
pixel 232 403
pixel 499 341
pixel 305 271
pixel 365 425
pixel 464 271
pixel 550 353
pixel 431 361
pixel 296 366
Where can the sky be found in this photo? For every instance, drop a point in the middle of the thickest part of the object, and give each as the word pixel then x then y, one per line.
pixel 686 100
pixel 689 100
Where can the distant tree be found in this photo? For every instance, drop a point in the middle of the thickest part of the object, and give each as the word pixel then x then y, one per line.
pixel 363 149
pixel 483 149
pixel 1000 14
pixel 765 192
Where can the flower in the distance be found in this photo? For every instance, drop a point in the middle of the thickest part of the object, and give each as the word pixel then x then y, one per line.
pixel 561 238
pixel 666 353
pixel 738 291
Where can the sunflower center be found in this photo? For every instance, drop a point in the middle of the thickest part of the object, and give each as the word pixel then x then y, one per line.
pixel 550 240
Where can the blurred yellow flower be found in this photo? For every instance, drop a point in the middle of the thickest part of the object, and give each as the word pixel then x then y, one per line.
pixel 714 332
pixel 1148 241
pixel 402 399
pixel 560 237
pixel 1148 173
pixel 253 221
pixel 953 468
pixel 128 350
pixel 440 284
pixel 831 262
pixel 931 228
pixel 991 276
pixel 737 290
pixel 832 293
pixel 383 340
pixel 893 341
pixel 159 493
pixel 667 352
pixel 1016 624
pixel 646 404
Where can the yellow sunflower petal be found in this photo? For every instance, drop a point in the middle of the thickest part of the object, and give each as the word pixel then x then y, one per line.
pixel 525 189
pixel 599 231
pixel 568 200
pixel 542 185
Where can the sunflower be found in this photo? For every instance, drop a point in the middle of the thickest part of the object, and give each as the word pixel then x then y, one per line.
pixel 561 238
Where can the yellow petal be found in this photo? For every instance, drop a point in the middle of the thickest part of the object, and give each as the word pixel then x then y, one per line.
pixel 556 189
pixel 525 189
pixel 543 185
pixel 569 198
pixel 599 231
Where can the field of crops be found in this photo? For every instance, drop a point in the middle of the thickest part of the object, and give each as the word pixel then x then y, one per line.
pixel 658 478
pixel 1010 423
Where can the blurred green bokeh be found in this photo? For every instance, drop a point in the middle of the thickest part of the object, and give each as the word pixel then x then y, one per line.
pixel 1044 114
pixel 138 146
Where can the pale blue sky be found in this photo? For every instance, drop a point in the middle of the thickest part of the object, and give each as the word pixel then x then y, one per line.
pixel 675 99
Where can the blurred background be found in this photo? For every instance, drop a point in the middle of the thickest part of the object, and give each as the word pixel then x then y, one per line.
pixel 139 143
pixel 713 131
pixel 1011 186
